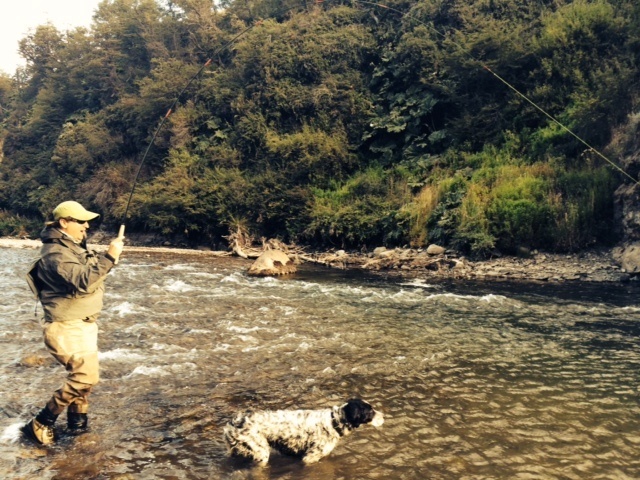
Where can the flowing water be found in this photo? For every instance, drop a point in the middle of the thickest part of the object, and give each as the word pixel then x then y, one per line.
pixel 476 381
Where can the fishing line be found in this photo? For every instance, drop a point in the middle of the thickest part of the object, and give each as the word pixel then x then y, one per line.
pixel 509 85
pixel 402 15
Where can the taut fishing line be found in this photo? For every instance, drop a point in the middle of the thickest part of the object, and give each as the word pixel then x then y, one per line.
pixel 509 85
pixel 402 15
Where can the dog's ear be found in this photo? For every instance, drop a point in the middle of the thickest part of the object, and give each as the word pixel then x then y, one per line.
pixel 357 412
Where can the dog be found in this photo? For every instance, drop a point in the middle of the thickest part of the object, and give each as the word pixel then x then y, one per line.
pixel 308 434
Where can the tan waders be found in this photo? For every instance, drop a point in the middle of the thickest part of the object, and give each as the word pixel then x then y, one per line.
pixel 74 343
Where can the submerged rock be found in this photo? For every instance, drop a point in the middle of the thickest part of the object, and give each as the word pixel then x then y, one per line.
pixel 36 360
pixel 272 262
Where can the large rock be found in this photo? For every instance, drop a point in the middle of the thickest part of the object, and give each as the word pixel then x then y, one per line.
pixel 630 258
pixel 434 249
pixel 272 262
pixel 379 251
pixel 625 146
pixel 627 202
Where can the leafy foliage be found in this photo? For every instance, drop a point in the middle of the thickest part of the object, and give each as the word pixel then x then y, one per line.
pixel 337 122
pixel 363 211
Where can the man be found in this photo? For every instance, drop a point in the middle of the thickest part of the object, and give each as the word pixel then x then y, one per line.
pixel 69 282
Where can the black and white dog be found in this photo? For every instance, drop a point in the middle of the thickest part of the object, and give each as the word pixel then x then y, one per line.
pixel 309 434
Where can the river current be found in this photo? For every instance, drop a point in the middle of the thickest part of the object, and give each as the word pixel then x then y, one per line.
pixel 476 381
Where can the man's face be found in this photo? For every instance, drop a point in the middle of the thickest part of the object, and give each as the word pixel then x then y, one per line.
pixel 76 229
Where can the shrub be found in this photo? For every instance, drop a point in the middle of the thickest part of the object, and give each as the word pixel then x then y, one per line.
pixel 519 211
pixel 363 211
pixel 418 211
pixel 18 226
pixel 505 205
pixel 474 229
pixel 583 208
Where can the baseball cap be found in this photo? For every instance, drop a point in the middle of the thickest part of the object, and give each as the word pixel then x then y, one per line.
pixel 71 209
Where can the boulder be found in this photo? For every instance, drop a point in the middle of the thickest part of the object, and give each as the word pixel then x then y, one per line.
pixel 272 262
pixel 630 258
pixel 627 202
pixel 435 249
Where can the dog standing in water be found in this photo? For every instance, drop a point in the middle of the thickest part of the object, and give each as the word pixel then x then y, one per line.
pixel 309 434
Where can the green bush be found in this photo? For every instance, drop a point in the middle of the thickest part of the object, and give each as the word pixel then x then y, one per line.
pixel 583 209
pixel 18 226
pixel 365 210
pixel 507 206
pixel 518 210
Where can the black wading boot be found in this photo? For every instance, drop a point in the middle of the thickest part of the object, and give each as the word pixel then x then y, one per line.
pixel 40 429
pixel 77 423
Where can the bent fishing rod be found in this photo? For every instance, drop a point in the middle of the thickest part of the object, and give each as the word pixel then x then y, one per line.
pixel 169 111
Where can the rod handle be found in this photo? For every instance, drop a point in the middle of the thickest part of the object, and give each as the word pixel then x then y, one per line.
pixel 120 235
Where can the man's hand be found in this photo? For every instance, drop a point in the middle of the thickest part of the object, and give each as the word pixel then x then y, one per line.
pixel 115 248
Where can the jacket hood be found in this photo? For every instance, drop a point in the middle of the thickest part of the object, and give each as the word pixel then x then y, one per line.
pixel 51 233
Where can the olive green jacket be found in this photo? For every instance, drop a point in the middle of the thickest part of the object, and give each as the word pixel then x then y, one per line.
pixel 68 279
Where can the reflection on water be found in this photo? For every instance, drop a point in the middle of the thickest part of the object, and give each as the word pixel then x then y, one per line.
pixel 495 381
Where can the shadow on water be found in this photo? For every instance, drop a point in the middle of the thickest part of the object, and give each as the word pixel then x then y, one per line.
pixel 626 328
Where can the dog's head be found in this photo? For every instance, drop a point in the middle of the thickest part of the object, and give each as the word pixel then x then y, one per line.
pixel 358 412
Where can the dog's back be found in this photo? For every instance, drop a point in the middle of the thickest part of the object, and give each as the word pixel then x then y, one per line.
pixel 292 432
pixel 274 425
pixel 310 434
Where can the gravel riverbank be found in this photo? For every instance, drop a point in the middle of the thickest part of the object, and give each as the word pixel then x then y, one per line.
pixel 589 266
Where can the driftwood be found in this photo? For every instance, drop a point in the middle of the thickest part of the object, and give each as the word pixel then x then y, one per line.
pixel 244 245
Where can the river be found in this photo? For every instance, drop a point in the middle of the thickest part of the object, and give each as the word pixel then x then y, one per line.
pixel 476 380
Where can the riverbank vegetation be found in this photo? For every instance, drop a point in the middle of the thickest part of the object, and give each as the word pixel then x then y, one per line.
pixel 335 123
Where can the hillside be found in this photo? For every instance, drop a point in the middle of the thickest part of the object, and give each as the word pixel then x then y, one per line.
pixel 482 126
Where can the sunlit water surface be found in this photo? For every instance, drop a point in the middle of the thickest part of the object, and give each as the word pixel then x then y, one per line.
pixel 484 381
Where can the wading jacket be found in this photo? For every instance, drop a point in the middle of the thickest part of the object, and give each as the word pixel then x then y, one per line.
pixel 68 279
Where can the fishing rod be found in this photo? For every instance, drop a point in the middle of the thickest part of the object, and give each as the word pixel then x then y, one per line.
pixel 169 111
pixel 505 82
pixel 177 99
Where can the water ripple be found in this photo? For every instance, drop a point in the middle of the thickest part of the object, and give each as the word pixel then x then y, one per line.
pixel 475 382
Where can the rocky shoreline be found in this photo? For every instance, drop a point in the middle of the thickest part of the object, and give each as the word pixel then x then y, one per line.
pixel 592 266
pixel 433 262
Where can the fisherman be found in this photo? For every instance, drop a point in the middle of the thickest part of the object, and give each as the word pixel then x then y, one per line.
pixel 68 279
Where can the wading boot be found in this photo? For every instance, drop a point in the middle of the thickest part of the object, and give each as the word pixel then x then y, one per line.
pixel 40 429
pixel 77 423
